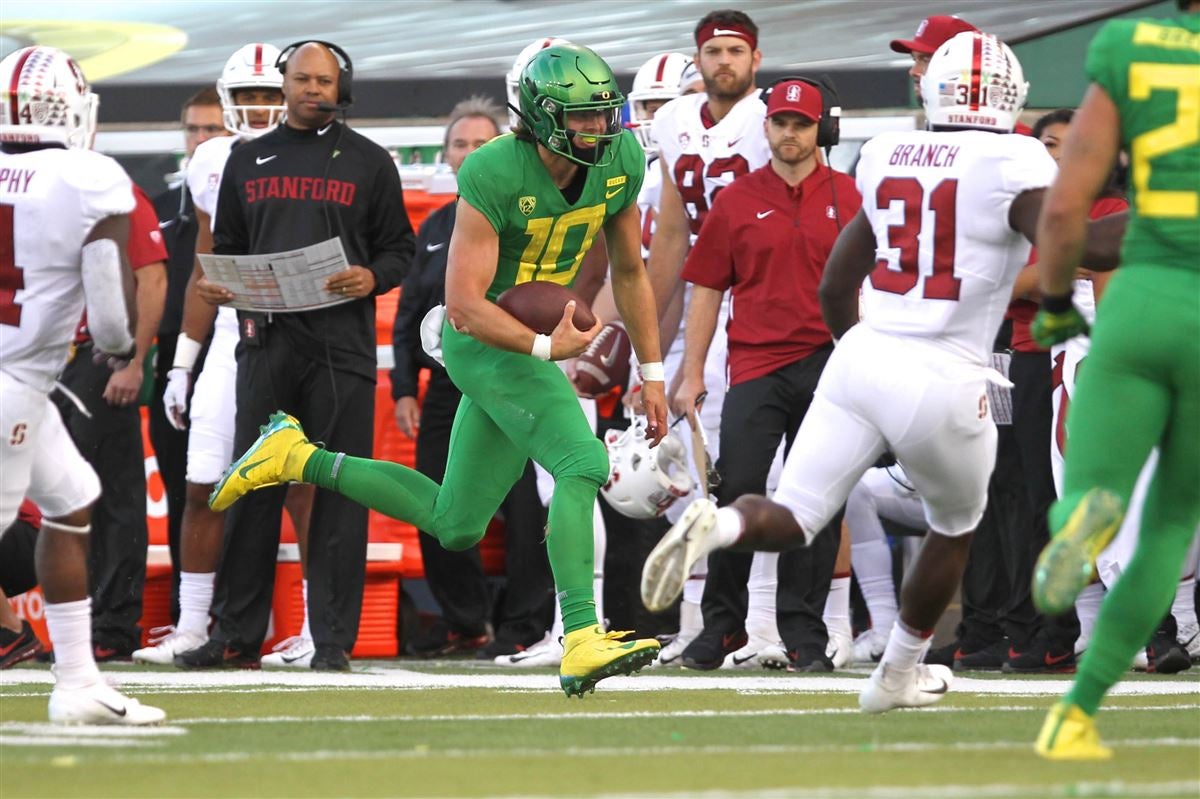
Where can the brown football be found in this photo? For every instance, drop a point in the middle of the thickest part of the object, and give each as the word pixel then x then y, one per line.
pixel 604 365
pixel 539 306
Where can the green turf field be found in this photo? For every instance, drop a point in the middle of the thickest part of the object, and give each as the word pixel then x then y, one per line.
pixel 457 730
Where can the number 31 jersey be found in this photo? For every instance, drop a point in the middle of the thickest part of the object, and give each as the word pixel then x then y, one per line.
pixel 704 157
pixel 946 257
pixel 49 202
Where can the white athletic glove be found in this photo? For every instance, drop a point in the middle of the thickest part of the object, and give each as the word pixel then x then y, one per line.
pixel 431 332
pixel 175 401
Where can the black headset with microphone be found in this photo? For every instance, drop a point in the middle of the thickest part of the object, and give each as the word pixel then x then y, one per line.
pixel 345 98
pixel 829 128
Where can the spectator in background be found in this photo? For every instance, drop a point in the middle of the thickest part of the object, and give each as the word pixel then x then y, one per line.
pixel 455 579
pixel 319 364
pixel 201 121
pixel 931 34
pixel 100 410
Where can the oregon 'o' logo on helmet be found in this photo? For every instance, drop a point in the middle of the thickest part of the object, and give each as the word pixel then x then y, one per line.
pixel 567 80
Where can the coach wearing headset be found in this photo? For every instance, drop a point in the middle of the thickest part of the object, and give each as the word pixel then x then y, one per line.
pixel 310 179
pixel 766 239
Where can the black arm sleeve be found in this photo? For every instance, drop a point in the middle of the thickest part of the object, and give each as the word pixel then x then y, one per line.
pixel 230 234
pixel 389 232
pixel 406 330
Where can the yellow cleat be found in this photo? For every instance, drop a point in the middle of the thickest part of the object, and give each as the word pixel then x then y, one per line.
pixel 1068 563
pixel 278 456
pixel 590 655
pixel 1070 734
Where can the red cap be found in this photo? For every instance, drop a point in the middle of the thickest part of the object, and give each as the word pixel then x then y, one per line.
pixel 931 34
pixel 795 96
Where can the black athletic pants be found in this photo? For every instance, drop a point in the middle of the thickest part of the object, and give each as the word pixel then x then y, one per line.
pixel 756 416
pixel 337 408
pixel 111 441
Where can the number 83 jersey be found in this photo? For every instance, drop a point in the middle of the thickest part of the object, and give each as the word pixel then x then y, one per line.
pixel 702 156
pixel 946 257
pixel 543 236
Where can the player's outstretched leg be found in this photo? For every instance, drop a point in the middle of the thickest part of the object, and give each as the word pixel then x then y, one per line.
pixel 590 655
pixel 278 456
pixel 1068 563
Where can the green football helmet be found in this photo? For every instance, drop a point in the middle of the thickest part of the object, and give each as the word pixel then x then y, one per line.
pixel 567 78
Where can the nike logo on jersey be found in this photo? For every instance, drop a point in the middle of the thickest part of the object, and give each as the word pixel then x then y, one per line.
pixel 260 160
pixel 608 195
pixel 325 129
pixel 733 142
pixel 435 247
pixel 244 472
pixel 765 214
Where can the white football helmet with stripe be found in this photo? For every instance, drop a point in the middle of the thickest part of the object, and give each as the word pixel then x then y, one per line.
pixel 251 67
pixel 513 79
pixel 644 482
pixel 974 81
pixel 46 99
pixel 657 79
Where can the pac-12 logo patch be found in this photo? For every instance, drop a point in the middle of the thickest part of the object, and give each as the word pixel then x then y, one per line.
pixel 527 204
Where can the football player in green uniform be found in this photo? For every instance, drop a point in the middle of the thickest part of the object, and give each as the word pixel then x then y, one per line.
pixel 1141 385
pixel 530 205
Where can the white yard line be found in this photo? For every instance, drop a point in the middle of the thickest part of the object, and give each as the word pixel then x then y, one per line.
pixel 1073 790
pixel 381 677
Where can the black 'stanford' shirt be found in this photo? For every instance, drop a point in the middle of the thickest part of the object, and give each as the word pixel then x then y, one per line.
pixel 292 188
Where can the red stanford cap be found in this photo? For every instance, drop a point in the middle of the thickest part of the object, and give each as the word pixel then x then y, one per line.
pixel 931 34
pixel 795 96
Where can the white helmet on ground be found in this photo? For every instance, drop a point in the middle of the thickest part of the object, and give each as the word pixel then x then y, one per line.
pixel 251 67
pixel 974 81
pixel 644 482
pixel 657 79
pixel 46 99
pixel 513 79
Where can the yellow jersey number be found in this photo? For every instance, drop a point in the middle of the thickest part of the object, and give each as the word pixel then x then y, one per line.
pixel 540 260
pixel 1184 80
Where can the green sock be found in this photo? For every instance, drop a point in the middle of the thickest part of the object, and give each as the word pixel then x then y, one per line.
pixel 390 488
pixel 1130 614
pixel 570 549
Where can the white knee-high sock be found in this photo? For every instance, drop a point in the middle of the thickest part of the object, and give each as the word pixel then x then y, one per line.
pixel 760 590
pixel 599 549
pixel 1087 607
pixel 70 628
pixel 837 607
pixel 305 631
pixel 195 601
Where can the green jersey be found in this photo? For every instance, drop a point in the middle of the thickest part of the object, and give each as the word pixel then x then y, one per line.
pixel 542 236
pixel 1151 70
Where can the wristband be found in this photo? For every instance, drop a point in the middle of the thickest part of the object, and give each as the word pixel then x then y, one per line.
pixel 541 347
pixel 652 371
pixel 186 351
pixel 1057 304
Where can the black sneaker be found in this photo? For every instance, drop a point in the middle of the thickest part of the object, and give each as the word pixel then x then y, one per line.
pixel 810 662
pixel 16 647
pixel 103 653
pixel 503 646
pixel 442 642
pixel 988 658
pixel 330 657
pixel 1040 656
pixel 707 650
pixel 213 654
pixel 1164 655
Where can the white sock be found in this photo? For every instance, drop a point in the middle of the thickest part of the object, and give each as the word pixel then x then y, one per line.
pixel 761 589
pixel 195 601
pixel 904 648
pixel 599 550
pixel 837 607
pixel 556 627
pixel 70 628
pixel 1184 606
pixel 872 563
pixel 729 526
pixel 1087 607
pixel 693 587
pixel 305 632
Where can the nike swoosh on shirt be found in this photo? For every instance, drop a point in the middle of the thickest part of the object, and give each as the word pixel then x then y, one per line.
pixel 260 161
pixel 608 195
pixel 325 129
pixel 243 472
pixel 765 214
pixel 434 247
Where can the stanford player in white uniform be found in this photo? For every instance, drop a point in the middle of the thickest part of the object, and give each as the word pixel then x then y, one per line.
pixel 946 224
pixel 251 104
pixel 63 229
